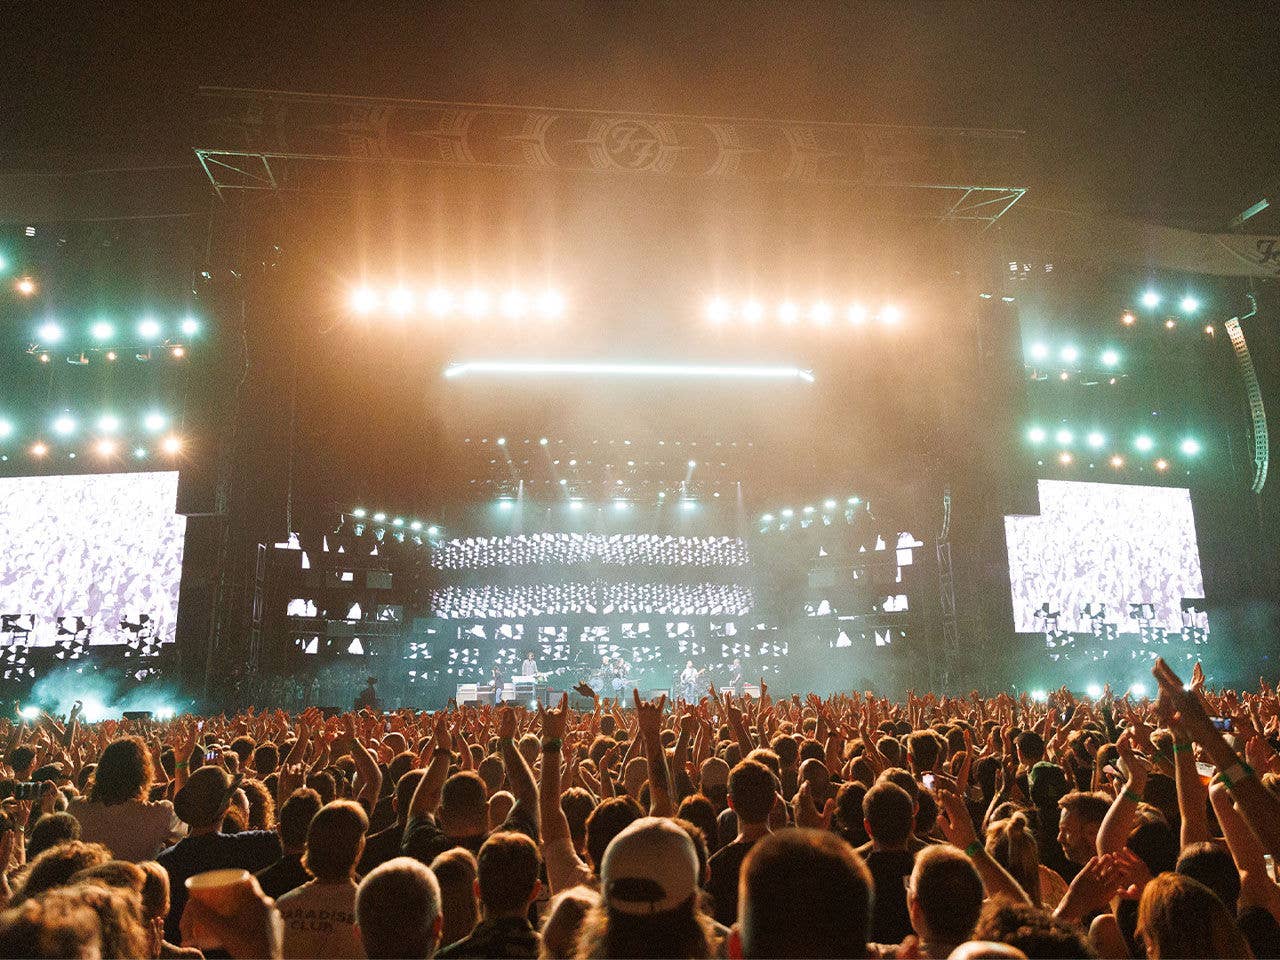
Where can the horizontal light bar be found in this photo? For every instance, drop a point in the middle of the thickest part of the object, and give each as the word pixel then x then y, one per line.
pixel 604 369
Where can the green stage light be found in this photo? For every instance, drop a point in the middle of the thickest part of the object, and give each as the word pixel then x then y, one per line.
pixel 808 510
pixel 4 264
pixel 1096 439
pixel 1189 304
pixel 688 504
pixel 139 453
pixel 64 426
pixel 358 513
pixel 621 506
pixel 102 331
pixel 154 422
pixel 1110 358
pixel 1064 437
pixel 6 428
pixel 575 505
pixel 1150 299
pixel 829 505
pixel 415 526
pixel 1094 690
pixel 1190 446
pixel 1070 354
pixel 1039 351
pixel 433 531
pixel 148 328
pixel 190 326
pixel 506 504
pixel 379 517
pixel 1143 443
pixel 398 522
pixel 108 423
pixel 49 332
pixel 1138 689
pixel 1039 696
pixel 1037 435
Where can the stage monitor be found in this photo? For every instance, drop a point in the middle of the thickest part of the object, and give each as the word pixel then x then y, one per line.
pixel 94 558
pixel 1103 553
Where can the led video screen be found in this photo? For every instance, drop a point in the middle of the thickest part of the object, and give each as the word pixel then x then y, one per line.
pixel 105 548
pixel 1105 546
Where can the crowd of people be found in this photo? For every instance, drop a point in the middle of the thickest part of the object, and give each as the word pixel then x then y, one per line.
pixel 851 826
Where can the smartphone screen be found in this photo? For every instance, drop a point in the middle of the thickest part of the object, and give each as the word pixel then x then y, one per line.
pixel 211 756
pixel 1221 723
pixel 928 780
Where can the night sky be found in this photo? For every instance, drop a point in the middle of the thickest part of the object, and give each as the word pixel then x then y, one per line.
pixel 1166 110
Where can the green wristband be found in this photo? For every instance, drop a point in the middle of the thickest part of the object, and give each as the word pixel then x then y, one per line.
pixel 552 746
pixel 1130 795
pixel 972 849
pixel 1181 748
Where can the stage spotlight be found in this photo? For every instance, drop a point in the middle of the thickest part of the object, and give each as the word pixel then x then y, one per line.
pixel 506 504
pixel 111 354
pixel 854 501
pixel 105 447
pixel 551 304
pixel 44 357
pixel 1170 323
pixel 1138 689
pixel 1190 446
pixel 1143 443
pixel 163 713
pixel 890 314
pixel 808 510
pixel 718 310
pixel 439 301
pixel 39 449
pixel 514 305
pixel 621 505
pixel 363 300
pixel 1039 351
pixel 564 482
pixel 1150 299
pixel 1037 435
pixel 1093 690
pixel 753 311
pixel 154 422
pixel 476 303
pixel 190 326
pixel 1162 464
pixel 400 301
pixel 828 505
pixel 25 286
pixel 148 328
pixel 857 314
pixel 787 513
pixel 1064 437
pixel 30 713
pixel 788 312
pixel 1128 319
pixel 172 444
pixel 1065 458
pixel 1117 461
pixel 501 441
pixel 820 313
pixel 433 531
pixel 358 513
pixel 102 331
pixel 1208 328
pixel 1110 358
pixel 1064 375
pixel 6 428
pixel 767 518
pixel 379 517
pixel 1189 304
pixel 1039 696
pixel 575 505
pixel 139 453
pixel 64 426
pixel 1096 439
pixel 542 441
pixel 692 464
pixel 93 711
pixel 178 351
pixel 49 332
pixel 397 522
pixel 1070 354
pixel 688 504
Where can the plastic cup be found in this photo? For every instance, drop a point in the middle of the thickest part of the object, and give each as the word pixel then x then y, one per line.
pixel 219 890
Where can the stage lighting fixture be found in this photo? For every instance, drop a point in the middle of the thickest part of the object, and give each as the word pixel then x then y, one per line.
pixel 1039 351
pixel 139 453
pixel 105 447
pixel 854 501
pixel 662 494
pixel 828 505
pixel 1070 354
pixel 163 713
pixel 1095 439
pixel 476 302
pixel 148 328
pixel 506 504
pixel 398 522
pixel 1189 304
pixel 363 300
pixel 1150 299
pixel 1128 319
pixel 1138 689
pixel 39 449
pixel 93 711
pixel 1110 358
pixel 358 513
pixel 542 441
pixel 6 428
pixel 1170 323
pixel 788 312
pixel 610 369
pixel 718 309
pixel 1190 446
pixel 788 513
pixel 1162 464
pixel 575 505
pixel 1117 461
pixel 190 326
pixel 820 313
pixel 102 330
pixel 30 713
pixel 767 518
pixel 857 314
pixel 439 301
pixel 178 351
pixel 551 304
pixel 415 525
pixel 807 511
pixel 1039 696
pixel 111 354
pixel 172 444
pixel 379 517
pixel 433 531
pixel 753 311
pixel 688 504
pixel 1064 375
pixel 1037 435
pixel 692 464
pixel 400 301
pixel 4 264
pixel 49 332
pixel 25 286
pixel 1208 328
pixel 621 505
pixel 514 305
pixel 1093 690
pixel 1063 437
pixel 890 313
pixel 64 426
pixel 501 441
pixel 1065 458
pixel 154 422
pixel 564 482
pixel 1143 443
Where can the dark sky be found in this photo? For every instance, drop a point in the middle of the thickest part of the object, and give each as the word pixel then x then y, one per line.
pixel 1165 109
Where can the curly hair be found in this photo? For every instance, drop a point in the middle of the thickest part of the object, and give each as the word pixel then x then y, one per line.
pixel 124 772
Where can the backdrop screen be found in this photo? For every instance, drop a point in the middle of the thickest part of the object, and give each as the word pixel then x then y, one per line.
pixel 1104 544
pixel 104 547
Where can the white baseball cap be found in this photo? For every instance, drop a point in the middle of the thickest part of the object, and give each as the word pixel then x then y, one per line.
pixel 650 867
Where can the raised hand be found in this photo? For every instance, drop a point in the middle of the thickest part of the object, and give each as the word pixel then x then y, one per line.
pixel 555 720
pixel 506 723
pixel 649 714
pixel 807 812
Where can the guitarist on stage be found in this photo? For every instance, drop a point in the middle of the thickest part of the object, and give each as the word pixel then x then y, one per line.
pixel 689 683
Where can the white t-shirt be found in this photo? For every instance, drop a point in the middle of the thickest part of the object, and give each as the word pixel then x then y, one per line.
pixel 320 920
pixel 135 830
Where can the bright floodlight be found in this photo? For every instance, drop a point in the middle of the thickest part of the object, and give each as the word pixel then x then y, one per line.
pixel 1138 689
pixel 551 304
pixel 1065 458
pixel 820 313
pixel 358 513
pixel 788 513
pixel 1144 444
pixel 398 522
pixel 514 305
pixel 1128 319
pixel 379 517
pixel 363 300
pixel 108 423
pixel 1110 358
pixel 39 448
pixel 611 369
pixel 25 286
pixel 501 441
pixel 767 518
pixel 1039 351
pixel 400 301
pixel 890 313
pixel 139 453
pixel 854 501
pixel 1037 435
pixel 6 428
pixel 49 332
pixel 439 301
pixel 433 531
pixel 1039 696
pixel 692 464
pixel 1162 464
pixel 857 314
pixel 1117 461
pixel 1093 690
pixel 808 510
pixel 1189 304
pixel 688 504
pixel 506 504
pixel 828 505
pixel 190 326
pixel 476 303
pixel 30 713
pixel 542 441
pixel 753 311
pixel 1070 354
pixel 718 309
pixel 64 426
pixel 154 422
pixel 102 331
pixel 106 447
pixel 1150 299
pixel 788 312
pixel 93 711
pixel 1064 437
pixel 163 713
pixel 621 505
pixel 1096 439
pixel 1190 446
pixel 148 328
pixel 172 444
pixel 575 505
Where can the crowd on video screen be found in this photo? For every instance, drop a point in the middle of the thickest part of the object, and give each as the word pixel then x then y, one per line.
pixel 103 547
pixel 581 549
pixel 499 601
pixel 1103 544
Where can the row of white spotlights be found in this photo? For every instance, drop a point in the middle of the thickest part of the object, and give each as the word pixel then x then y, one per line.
pixel 819 313
pixel 786 513
pixel 381 518
pixel 477 303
